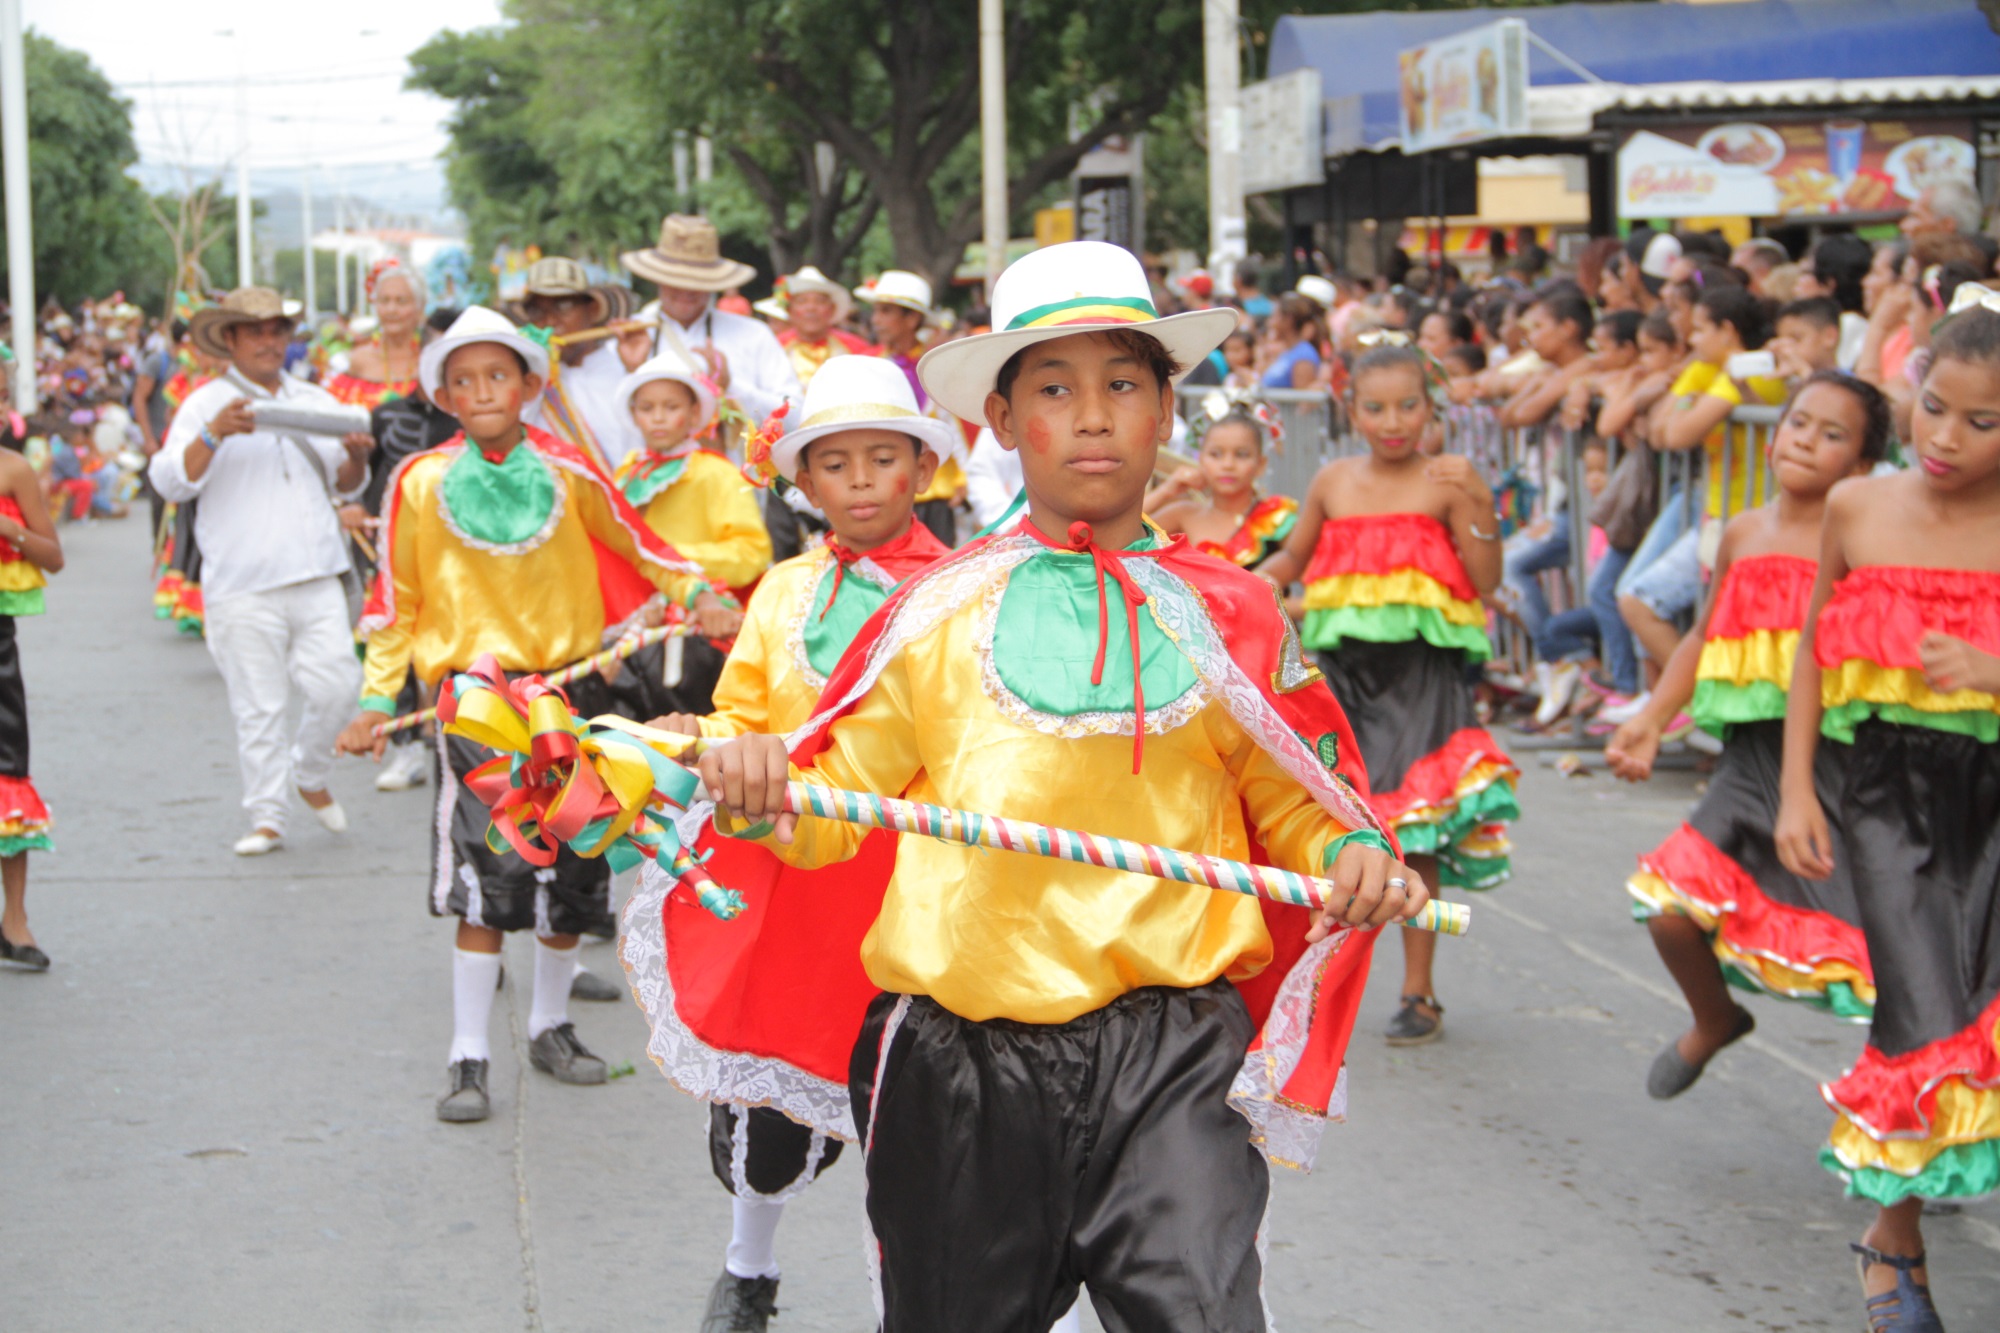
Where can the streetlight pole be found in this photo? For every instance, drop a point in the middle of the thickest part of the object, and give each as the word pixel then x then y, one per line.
pixel 1228 235
pixel 993 137
pixel 306 228
pixel 20 222
pixel 243 255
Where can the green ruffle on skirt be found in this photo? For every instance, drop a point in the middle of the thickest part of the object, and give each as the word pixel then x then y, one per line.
pixel 1458 867
pixel 1962 1171
pixel 1323 629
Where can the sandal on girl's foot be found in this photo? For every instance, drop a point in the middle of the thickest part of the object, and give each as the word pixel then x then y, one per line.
pixel 1673 1073
pixel 1908 1308
pixel 1411 1026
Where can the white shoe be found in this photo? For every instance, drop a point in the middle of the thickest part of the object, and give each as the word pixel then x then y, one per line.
pixel 330 816
pixel 257 842
pixel 1619 714
pixel 1557 693
pixel 407 766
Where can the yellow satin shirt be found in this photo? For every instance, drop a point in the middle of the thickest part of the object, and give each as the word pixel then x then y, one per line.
pixel 535 610
pixel 711 516
pixel 990 934
pixel 768 685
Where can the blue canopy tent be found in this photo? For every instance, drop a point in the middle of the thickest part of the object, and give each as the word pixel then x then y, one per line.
pixel 1657 62
pixel 1752 41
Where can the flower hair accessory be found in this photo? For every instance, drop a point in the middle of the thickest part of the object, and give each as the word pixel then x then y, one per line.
pixel 1437 380
pixel 1245 402
pixel 758 468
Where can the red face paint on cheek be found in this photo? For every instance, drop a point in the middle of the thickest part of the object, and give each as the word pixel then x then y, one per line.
pixel 1038 436
pixel 902 485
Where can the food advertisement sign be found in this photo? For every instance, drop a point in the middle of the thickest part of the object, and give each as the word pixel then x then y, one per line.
pixel 1467 87
pixel 1796 169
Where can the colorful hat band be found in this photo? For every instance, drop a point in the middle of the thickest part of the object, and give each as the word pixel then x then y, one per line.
pixel 1086 310
pixel 858 412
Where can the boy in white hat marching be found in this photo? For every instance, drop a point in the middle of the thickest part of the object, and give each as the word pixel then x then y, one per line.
pixel 861 453
pixel 1063 1080
pixel 696 501
pixel 505 541
pixel 815 308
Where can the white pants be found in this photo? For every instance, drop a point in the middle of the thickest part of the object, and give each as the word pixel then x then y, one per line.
pixel 265 644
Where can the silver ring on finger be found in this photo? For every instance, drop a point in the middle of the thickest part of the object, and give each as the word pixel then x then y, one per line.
pixel 1397 882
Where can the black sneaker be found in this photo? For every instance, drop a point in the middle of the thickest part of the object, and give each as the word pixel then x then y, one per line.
pixel 558 1052
pixel 467 1100
pixel 740 1304
pixel 590 986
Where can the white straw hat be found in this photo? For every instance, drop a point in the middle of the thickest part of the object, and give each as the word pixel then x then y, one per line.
pixel 478 325
pixel 810 279
pixel 861 393
pixel 668 366
pixel 900 287
pixel 1056 292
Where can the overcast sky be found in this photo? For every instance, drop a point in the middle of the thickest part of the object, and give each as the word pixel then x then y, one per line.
pixel 323 86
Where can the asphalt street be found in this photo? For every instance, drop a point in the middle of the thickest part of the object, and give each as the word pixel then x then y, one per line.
pixel 218 1105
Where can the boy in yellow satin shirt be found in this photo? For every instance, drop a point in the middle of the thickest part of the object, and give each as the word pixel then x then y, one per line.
pixel 1063 1082
pixel 505 541
pixel 699 503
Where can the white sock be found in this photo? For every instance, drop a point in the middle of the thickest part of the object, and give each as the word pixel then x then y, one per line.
pixel 474 978
pixel 1071 1322
pixel 753 1238
pixel 554 970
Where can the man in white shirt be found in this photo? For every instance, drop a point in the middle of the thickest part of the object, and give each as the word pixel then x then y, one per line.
pixel 580 402
pixel 742 353
pixel 272 557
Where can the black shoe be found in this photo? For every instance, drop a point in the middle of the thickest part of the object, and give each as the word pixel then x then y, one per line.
pixel 24 956
pixel 467 1101
pixel 740 1304
pixel 590 986
pixel 558 1052
pixel 1672 1075
pixel 606 929
pixel 1411 1026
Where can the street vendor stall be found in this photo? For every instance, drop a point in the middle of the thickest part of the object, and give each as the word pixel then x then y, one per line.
pixel 1773 110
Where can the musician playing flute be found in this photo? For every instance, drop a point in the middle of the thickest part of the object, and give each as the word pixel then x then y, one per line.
pixel 578 403
pixel 506 541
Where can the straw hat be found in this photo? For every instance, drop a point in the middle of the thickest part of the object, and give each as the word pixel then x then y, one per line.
pixel 862 393
pixel 1055 292
pixel 558 277
pixel 245 305
pixel 900 287
pixel 478 325
pixel 810 279
pixel 689 256
pixel 668 366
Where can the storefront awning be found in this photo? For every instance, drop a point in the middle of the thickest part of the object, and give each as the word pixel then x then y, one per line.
pixel 1748 53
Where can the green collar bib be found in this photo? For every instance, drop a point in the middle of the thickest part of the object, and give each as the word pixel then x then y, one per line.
pixel 1041 642
pixel 505 508
pixel 644 485
pixel 822 631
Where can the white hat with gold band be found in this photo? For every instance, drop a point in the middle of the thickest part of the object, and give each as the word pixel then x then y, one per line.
pixel 862 393
pixel 1061 290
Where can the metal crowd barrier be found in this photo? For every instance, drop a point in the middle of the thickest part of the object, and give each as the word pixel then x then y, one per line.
pixel 1541 462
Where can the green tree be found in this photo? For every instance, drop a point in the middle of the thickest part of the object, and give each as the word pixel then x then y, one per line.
pixel 89 215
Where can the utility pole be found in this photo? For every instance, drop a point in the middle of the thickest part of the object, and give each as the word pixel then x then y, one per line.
pixel 306 228
pixel 243 256
pixel 339 250
pixel 993 137
pixel 1228 237
pixel 20 223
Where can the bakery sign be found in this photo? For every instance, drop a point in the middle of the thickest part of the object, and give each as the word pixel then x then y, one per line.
pixel 1744 168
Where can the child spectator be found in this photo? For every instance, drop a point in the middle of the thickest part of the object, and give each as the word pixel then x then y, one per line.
pixel 1808 338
